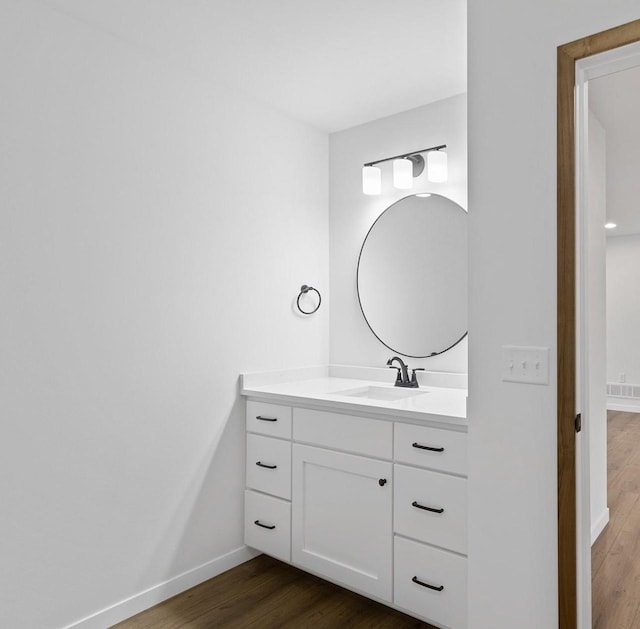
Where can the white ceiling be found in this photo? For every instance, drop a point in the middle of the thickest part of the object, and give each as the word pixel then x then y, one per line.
pixel 615 100
pixel 332 63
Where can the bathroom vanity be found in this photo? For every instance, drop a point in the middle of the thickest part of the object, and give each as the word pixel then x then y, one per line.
pixel 363 483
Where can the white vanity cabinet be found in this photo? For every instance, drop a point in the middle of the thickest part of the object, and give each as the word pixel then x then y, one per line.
pixel 377 505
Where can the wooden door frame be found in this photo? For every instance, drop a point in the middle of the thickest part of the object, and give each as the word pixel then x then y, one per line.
pixel 568 54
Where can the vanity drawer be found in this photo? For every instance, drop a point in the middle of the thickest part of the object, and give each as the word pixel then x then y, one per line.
pixel 269 465
pixel 361 435
pixel 269 419
pixel 435 448
pixel 444 571
pixel 419 496
pixel 267 524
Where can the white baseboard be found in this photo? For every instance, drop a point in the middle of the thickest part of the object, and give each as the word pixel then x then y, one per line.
pixel 161 592
pixel 628 405
pixel 598 526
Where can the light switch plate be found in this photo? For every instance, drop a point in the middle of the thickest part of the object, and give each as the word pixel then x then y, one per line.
pixel 525 364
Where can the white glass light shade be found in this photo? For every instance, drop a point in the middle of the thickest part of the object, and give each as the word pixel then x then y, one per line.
pixel 371 180
pixel 437 171
pixel 402 174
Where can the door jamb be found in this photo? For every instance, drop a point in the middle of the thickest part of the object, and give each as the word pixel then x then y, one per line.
pixel 568 54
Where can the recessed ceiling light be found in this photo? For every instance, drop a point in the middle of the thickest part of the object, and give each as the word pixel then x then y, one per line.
pixel 423 194
pixel 609 225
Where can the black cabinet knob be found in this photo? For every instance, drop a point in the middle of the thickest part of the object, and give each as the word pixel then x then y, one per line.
pixel 382 482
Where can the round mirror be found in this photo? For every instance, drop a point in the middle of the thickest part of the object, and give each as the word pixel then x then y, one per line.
pixel 412 276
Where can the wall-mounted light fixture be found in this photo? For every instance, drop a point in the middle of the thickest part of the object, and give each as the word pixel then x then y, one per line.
pixel 405 168
pixel 371 180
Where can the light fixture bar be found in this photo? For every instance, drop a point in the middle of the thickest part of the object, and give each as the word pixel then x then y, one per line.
pixel 388 159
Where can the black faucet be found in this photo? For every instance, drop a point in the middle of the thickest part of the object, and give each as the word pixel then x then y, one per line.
pixel 402 378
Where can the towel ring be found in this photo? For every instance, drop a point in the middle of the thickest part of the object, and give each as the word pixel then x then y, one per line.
pixel 304 289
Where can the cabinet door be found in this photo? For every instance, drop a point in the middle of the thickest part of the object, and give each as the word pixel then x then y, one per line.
pixel 341 518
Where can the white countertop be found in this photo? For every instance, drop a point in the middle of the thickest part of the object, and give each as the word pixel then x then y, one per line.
pixel 328 387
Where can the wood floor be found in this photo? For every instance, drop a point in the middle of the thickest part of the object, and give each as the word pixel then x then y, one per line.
pixel 615 557
pixel 267 594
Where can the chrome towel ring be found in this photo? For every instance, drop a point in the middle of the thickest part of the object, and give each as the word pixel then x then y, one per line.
pixel 304 289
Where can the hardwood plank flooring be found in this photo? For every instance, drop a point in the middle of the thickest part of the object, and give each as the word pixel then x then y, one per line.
pixel 615 556
pixel 267 594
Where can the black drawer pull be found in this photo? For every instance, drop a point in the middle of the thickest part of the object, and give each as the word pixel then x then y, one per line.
pixel 437 588
pixel 265 526
pixel 430 448
pixel 266 419
pixel 417 505
pixel 269 467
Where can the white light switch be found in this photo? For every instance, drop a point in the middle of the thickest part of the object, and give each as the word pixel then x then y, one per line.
pixel 525 364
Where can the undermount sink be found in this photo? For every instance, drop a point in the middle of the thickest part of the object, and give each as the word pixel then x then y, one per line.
pixel 388 394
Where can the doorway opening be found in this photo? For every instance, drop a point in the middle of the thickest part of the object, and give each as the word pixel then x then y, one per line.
pixel 608 226
pixel 575 61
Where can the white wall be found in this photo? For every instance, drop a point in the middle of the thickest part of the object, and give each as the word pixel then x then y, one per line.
pixel 596 350
pixel 154 232
pixel 512 240
pixel 352 214
pixel 623 308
